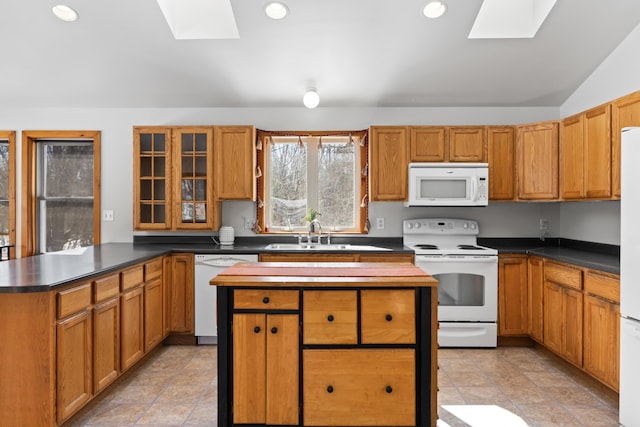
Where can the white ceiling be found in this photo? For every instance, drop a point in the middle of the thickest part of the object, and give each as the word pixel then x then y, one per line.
pixel 358 53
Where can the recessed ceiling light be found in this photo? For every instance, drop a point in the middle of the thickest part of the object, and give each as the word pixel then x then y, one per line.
pixel 64 13
pixel 435 9
pixel 311 99
pixel 276 10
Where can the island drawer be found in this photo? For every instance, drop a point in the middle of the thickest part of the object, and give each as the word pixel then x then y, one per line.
pixel 388 316
pixel 153 269
pixel 330 317
pixel 265 299
pixel 604 286
pixel 131 277
pixel 563 275
pixel 106 287
pixel 74 300
pixel 379 383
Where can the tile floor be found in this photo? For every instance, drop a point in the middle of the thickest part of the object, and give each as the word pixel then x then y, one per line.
pixel 177 385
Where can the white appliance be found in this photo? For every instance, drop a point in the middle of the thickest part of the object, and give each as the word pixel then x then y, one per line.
pixel 630 279
pixel 448 184
pixel 468 279
pixel 207 266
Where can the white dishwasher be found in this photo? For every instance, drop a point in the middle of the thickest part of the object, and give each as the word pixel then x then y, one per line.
pixel 207 266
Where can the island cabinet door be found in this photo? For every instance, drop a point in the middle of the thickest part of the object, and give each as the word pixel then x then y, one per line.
pixel 265 369
pixel 359 387
pixel 106 343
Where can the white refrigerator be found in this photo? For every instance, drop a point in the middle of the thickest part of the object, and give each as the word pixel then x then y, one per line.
pixel 630 279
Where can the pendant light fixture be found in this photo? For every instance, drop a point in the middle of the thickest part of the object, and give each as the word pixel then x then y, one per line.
pixel 311 99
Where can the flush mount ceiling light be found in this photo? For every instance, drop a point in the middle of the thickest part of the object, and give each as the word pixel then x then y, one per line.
pixel 435 9
pixel 276 10
pixel 311 99
pixel 64 13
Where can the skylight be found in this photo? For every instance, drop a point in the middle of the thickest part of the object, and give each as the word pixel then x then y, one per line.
pixel 510 19
pixel 200 19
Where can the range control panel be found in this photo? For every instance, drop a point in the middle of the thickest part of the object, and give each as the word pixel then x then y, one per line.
pixel 440 226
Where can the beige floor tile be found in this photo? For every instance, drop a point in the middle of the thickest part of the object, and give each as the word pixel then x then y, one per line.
pixel 526 395
pixel 202 363
pixel 450 396
pixel 195 377
pixel 146 377
pixel 210 394
pixel 550 379
pixel 166 414
pixel 443 379
pixel 484 396
pixel 469 379
pixel 572 396
pixel 598 416
pixel 136 393
pixel 457 365
pixel 181 394
pixel 204 415
pixel 549 416
pixel 510 378
pixel 118 414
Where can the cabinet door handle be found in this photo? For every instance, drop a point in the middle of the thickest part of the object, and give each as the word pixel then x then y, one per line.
pixel 256 329
pixel 330 389
pixel 265 300
pixel 388 389
pixel 330 318
pixel 388 317
pixel 274 330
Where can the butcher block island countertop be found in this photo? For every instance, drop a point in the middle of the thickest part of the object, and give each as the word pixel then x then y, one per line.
pixel 326 344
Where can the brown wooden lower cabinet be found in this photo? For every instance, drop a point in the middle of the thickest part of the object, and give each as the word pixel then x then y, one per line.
pixel 359 387
pixel 74 364
pixel 182 319
pixel 106 343
pixel 265 372
pixel 153 305
pixel 132 327
pixel 512 295
pixel 368 349
pixel 535 282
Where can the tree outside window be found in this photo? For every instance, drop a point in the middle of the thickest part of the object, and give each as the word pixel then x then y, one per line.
pixel 4 193
pixel 319 172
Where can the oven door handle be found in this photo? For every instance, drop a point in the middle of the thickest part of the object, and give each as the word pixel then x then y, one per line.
pixel 461 260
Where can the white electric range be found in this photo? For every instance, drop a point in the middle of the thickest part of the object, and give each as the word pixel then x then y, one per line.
pixel 447 249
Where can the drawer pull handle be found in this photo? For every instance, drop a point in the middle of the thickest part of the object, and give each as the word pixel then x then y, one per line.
pixel 265 300
pixel 330 318
pixel 274 330
pixel 330 389
pixel 388 389
pixel 388 317
pixel 256 329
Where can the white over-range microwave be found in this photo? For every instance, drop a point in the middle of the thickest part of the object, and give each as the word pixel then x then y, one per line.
pixel 448 184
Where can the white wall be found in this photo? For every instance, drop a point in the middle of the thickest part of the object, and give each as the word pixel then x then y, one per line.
pixel 598 222
pixel 117 149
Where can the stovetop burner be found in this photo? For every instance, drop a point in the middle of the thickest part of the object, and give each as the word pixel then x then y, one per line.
pixel 426 246
pixel 470 247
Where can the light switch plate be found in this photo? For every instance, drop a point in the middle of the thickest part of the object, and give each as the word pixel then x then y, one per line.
pixel 380 223
pixel 107 215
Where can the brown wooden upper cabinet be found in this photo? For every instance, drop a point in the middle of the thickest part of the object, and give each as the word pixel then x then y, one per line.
pixel 388 163
pixel 537 161
pixel 585 155
pixel 502 166
pixel 181 173
pixel 235 162
pixel 448 144
pixel 625 112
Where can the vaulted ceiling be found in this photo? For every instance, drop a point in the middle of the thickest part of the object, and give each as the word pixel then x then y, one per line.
pixel 357 53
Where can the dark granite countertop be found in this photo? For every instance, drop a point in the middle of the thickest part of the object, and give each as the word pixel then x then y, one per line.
pixel 46 272
pixel 584 254
pixel 42 273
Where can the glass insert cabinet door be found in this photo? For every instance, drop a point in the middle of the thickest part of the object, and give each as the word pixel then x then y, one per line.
pixel 152 180
pixel 193 154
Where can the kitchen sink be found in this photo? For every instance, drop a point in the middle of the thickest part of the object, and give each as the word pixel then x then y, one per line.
pixel 321 247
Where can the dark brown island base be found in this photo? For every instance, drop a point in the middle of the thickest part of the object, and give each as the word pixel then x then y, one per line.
pixel 326 344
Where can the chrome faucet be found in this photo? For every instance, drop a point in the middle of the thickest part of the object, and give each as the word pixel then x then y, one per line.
pixel 315 227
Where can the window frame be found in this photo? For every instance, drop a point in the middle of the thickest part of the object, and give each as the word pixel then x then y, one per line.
pixel 29 206
pixel 10 138
pixel 263 139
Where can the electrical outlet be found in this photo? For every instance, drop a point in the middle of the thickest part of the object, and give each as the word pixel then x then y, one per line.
pixel 248 223
pixel 107 215
pixel 544 224
pixel 380 223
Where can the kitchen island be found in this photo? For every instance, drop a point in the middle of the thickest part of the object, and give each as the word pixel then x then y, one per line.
pixel 343 344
